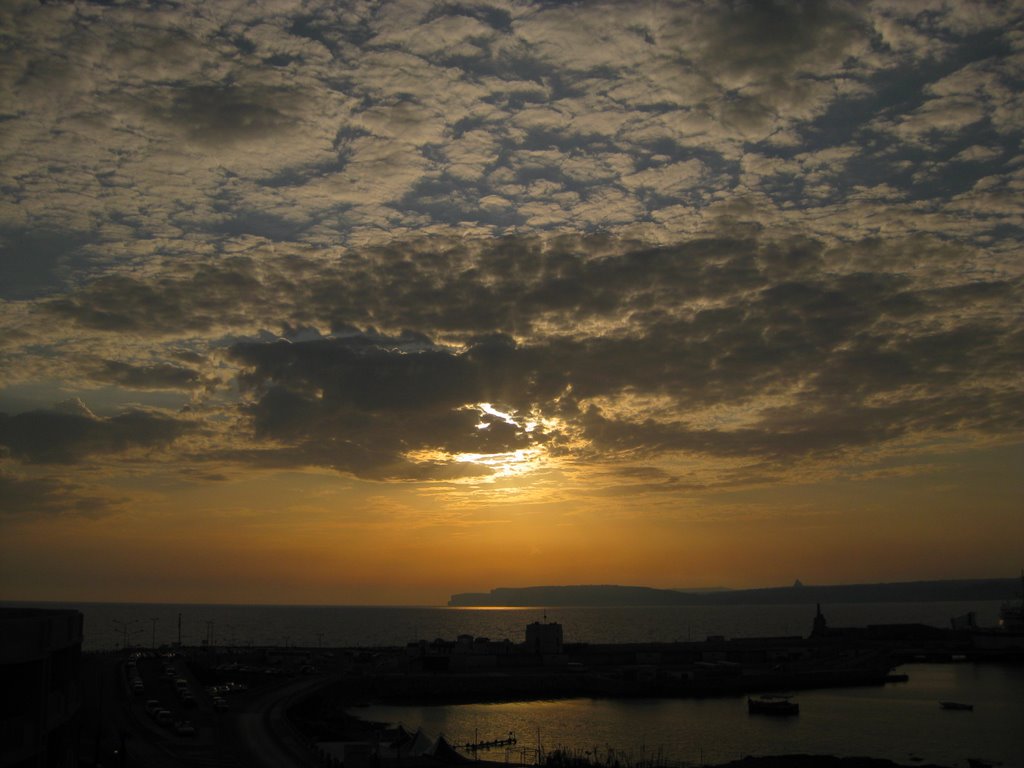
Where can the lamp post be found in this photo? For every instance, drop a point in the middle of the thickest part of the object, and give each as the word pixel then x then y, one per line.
pixel 125 629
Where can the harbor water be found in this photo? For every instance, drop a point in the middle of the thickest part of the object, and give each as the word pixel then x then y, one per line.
pixel 902 722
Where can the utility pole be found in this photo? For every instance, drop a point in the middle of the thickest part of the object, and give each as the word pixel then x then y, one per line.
pixel 153 642
pixel 124 626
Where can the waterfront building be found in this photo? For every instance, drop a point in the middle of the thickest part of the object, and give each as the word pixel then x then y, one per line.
pixel 544 639
pixel 41 693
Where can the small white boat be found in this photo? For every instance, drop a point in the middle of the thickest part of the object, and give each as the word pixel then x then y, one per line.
pixel 956 705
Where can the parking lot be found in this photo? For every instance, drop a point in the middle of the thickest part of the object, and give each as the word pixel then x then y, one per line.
pixel 168 697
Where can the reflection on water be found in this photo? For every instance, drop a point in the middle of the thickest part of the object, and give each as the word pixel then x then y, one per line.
pixel 899 721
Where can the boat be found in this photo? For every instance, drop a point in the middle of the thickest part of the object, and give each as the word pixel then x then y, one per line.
pixel 1011 615
pixel 772 705
pixel 1003 641
pixel 956 705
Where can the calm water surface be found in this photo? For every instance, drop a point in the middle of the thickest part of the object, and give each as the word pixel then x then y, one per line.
pixel 898 721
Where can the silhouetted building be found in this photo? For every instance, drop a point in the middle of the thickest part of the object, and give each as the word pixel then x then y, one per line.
pixel 40 688
pixel 466 652
pixel 544 639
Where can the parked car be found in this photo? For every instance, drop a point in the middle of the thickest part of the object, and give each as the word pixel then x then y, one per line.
pixel 184 728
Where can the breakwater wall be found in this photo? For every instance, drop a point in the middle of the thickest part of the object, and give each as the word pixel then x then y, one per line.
pixel 471 688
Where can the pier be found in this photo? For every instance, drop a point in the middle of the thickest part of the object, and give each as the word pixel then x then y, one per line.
pixel 483 746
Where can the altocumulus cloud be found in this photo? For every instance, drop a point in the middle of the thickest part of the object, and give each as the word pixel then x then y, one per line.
pixel 395 239
pixel 333 123
pixel 812 349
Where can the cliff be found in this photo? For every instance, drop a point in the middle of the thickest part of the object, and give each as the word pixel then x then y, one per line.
pixel 598 595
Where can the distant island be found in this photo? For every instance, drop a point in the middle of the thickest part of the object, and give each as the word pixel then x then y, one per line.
pixel 605 594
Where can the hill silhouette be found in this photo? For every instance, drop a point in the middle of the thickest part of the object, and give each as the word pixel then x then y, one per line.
pixel 611 594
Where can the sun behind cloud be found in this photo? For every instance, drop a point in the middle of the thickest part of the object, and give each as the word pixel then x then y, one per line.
pixel 665 293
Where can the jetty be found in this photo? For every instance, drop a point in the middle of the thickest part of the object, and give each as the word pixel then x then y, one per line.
pixel 483 746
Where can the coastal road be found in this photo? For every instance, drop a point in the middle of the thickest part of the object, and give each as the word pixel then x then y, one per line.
pixel 263 736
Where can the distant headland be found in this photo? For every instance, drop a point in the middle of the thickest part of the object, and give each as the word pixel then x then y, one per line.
pixel 607 594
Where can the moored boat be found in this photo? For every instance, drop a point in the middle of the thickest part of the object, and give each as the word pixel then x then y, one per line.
pixel 772 705
pixel 1011 615
pixel 956 705
pixel 1005 640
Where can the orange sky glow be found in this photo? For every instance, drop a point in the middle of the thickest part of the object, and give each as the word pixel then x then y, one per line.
pixel 341 303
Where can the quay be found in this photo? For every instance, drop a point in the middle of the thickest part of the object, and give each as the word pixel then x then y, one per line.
pixel 544 666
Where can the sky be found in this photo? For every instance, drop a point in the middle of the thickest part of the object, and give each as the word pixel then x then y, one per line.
pixel 373 302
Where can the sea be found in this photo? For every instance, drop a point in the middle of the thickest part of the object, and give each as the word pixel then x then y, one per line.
pixel 899 721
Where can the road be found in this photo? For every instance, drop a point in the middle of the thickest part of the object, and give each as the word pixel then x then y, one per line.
pixel 263 734
pixel 118 733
